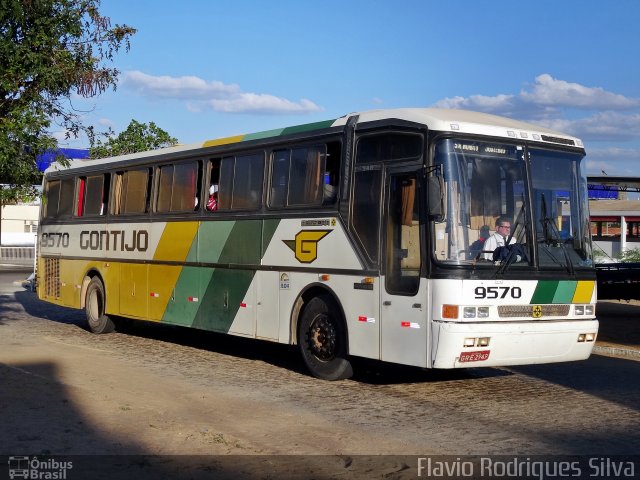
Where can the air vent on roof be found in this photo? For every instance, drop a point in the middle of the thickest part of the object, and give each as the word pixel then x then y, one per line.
pixel 563 141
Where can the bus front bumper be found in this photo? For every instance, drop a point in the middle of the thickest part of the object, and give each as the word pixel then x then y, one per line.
pixel 492 344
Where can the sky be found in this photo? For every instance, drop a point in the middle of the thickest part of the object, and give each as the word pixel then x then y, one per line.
pixel 214 68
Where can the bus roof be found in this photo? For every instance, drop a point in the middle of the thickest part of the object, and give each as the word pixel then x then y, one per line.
pixel 465 121
pixel 446 120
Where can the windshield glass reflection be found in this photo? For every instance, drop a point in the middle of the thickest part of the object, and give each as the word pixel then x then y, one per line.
pixel 486 220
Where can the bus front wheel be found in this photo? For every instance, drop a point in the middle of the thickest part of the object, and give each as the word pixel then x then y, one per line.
pixel 323 341
pixel 95 306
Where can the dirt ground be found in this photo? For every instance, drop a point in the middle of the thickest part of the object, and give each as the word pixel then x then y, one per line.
pixel 226 412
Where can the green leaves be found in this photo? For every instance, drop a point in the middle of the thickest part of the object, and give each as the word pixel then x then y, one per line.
pixel 138 137
pixel 49 51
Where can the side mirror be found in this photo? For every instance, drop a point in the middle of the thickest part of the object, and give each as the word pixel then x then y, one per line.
pixel 434 196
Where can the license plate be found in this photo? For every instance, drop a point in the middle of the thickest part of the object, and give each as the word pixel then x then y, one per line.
pixel 474 356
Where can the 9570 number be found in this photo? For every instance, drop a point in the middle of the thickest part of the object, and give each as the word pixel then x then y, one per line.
pixel 498 292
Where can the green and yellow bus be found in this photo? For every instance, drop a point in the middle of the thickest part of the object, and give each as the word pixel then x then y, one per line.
pixel 361 236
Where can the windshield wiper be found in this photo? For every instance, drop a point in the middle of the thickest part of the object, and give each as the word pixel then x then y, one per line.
pixel 549 224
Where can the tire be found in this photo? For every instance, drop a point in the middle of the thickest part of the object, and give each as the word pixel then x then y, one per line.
pixel 323 341
pixel 94 305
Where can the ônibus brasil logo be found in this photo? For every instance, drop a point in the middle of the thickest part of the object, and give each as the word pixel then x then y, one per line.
pixel 33 468
pixel 305 244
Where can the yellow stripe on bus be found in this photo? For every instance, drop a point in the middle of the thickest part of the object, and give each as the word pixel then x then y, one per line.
pixel 162 282
pixel 584 291
pixel 176 241
pixel 223 141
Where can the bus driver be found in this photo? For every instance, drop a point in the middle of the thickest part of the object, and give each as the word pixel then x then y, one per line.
pixel 498 238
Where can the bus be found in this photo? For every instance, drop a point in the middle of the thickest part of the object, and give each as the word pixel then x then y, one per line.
pixel 360 236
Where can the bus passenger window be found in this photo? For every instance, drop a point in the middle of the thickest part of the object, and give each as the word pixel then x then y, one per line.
pixel 279 178
pixel 177 187
pixel 331 173
pixel 242 176
pixel 131 191
pixel 304 176
pixel 91 197
pixel 307 176
pixel 81 191
pixel 214 185
pixel 65 204
pixel 52 197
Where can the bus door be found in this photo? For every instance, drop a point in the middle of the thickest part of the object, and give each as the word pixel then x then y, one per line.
pixel 403 309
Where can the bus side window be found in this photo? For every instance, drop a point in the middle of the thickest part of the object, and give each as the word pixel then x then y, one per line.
pixel 82 183
pixel 304 176
pixel 65 204
pixel 51 198
pixel 241 181
pixel 185 180
pixel 92 194
pixel 279 177
pixel 178 187
pixel 211 204
pixel 59 198
pixel 131 191
pixel 331 173
pixel 306 179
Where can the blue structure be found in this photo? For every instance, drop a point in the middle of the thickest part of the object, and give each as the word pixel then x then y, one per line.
pixel 602 192
pixel 49 157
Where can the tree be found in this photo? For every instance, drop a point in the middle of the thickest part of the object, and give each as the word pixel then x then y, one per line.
pixel 632 255
pixel 49 50
pixel 138 137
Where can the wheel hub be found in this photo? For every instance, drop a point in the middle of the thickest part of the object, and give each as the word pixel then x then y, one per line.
pixel 322 336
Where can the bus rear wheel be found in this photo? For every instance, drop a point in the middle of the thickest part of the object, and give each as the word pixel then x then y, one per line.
pixel 322 340
pixel 94 308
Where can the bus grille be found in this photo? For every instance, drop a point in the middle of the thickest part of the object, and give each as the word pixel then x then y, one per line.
pixel 52 277
pixel 508 311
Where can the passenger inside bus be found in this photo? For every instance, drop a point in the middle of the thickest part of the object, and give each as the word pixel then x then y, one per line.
pixel 212 203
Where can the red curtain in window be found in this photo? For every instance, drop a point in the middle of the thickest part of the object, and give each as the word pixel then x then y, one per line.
pixel 80 197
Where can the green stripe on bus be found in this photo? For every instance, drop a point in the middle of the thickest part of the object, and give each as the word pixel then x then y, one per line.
pixel 261 135
pixel 565 291
pixel 308 127
pixel 228 287
pixel 185 302
pixel 221 300
pixel 545 290
pixel 211 240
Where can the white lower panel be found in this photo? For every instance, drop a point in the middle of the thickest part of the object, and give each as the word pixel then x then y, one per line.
pixel 511 343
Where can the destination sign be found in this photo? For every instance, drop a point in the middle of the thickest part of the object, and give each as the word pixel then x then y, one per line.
pixel 484 149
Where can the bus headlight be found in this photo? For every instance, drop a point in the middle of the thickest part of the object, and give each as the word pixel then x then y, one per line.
pixel 483 312
pixel 589 309
pixel 587 337
pixel 579 309
pixel 469 312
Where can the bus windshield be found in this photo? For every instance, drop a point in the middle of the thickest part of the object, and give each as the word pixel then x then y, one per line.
pixel 486 219
pixel 561 217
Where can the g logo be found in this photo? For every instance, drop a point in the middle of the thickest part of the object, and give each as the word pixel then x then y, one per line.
pixel 305 245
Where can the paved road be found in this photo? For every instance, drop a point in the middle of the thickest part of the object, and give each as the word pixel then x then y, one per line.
pixel 158 389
